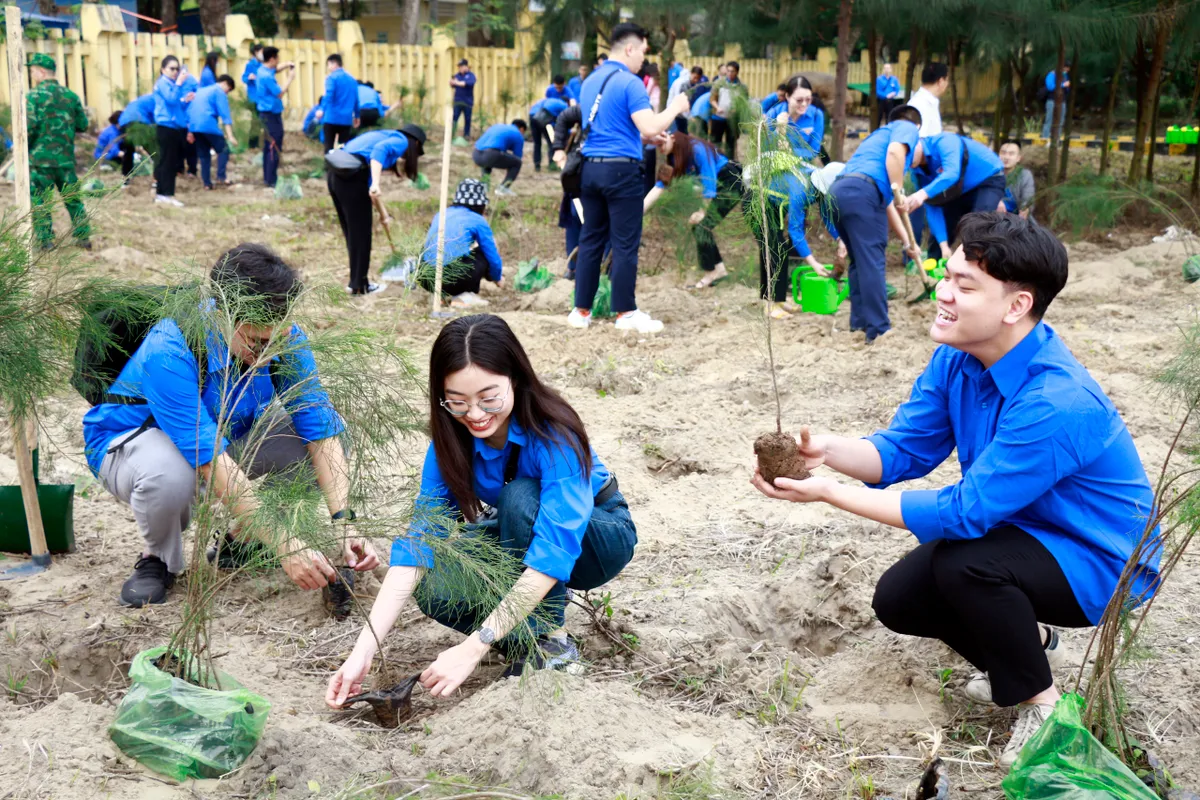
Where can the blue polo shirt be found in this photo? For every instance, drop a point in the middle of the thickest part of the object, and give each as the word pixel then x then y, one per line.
pixel 340 101
pixel 465 95
pixel 567 500
pixel 502 136
pixel 268 94
pixel 210 108
pixel 369 98
pixel 706 163
pixel 799 194
pixel 310 127
pixel 942 167
pixel 1052 82
pixel 573 87
pixel 168 105
pixel 702 106
pixel 385 146
pixel 164 373
pixel 1041 447
pixel 870 158
pixel 558 94
pixel 108 143
pixel 249 77
pixel 806 133
pixel 551 105
pixel 885 85
pixel 207 78
pixel 140 110
pixel 463 228
pixel 190 85
pixel 613 134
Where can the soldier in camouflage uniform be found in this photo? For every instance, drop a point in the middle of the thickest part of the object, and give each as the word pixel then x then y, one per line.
pixel 55 115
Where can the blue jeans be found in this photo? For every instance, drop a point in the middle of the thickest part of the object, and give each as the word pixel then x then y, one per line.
pixel 862 224
pixel 612 194
pixel 464 110
pixel 607 547
pixel 1050 116
pixel 272 145
pixel 204 143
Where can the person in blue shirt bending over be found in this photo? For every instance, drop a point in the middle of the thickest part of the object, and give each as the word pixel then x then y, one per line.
pixel 268 95
pixel 700 115
pixel 208 74
pixel 370 105
pixel 804 118
pixel 311 124
pixel 956 175
pixel 169 99
pixel 138 112
pixel 1053 497
pixel 166 424
pixel 887 94
pixel 208 112
pixel 470 253
pixel 775 98
pixel 339 105
pixel 463 82
pixel 542 116
pixel 511 459
pixel 862 195
pixel 109 142
pixel 356 188
pixel 501 147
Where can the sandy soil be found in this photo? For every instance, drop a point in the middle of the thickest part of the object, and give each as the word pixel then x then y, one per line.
pixel 759 669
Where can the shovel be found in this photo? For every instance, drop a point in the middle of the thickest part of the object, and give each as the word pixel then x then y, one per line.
pixel 375 201
pixel 930 288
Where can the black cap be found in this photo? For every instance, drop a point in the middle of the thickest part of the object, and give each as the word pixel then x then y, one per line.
pixel 463 63
pixel 416 133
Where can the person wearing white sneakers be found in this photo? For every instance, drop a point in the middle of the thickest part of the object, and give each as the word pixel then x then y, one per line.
pixel 169 100
pixel 1053 499
pixel 470 249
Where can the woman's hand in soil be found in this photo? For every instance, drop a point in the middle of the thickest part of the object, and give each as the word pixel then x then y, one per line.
pixel 348 680
pixel 809 490
pixel 453 667
pixel 307 568
pixel 842 252
pixel 360 555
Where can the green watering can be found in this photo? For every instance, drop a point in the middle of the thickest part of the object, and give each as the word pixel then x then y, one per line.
pixel 57 502
pixel 817 295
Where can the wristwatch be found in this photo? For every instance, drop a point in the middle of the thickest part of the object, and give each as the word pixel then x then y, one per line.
pixel 346 514
pixel 486 635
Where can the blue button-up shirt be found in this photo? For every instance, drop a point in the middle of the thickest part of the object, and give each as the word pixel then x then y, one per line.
pixel 942 167
pixel 1041 447
pixel 558 94
pixel 140 110
pixel 799 195
pixel 573 87
pixel 1052 82
pixel 885 85
pixel 465 94
pixel 870 158
pixel 164 373
pixel 108 143
pixel 208 110
pixel 702 106
pixel 190 85
pixel 464 228
pixel 250 76
pixel 502 136
pixel 551 105
pixel 805 133
pixel 168 103
pixel 567 501
pixel 340 101
pixel 385 146
pixel 207 78
pixel 268 95
pixel 369 98
pixel 613 134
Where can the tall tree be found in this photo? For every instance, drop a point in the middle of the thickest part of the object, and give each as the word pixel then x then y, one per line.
pixel 212 16
pixel 169 15
pixel 1060 67
pixel 841 78
pixel 410 20
pixel 327 25
pixel 872 50
pixel 1109 106
pixel 1158 38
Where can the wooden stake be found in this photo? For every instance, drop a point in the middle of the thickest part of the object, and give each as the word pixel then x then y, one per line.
pixel 441 239
pixel 378 203
pixel 901 200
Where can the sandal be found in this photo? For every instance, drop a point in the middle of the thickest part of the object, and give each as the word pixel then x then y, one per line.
pixel 706 282
pixel 778 311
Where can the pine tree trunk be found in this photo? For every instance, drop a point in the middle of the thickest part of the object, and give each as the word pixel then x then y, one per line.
pixel 1065 155
pixel 1055 132
pixel 916 45
pixel 953 47
pixel 1162 31
pixel 48 7
pixel 872 46
pixel 212 16
pixel 411 20
pixel 327 21
pixel 1153 136
pixel 1003 99
pixel 1109 106
pixel 170 14
pixel 1195 95
pixel 842 78
pixel 1195 194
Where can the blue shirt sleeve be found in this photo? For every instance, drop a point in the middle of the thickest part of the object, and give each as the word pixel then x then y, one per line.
pixel 1051 81
pixel 171 387
pixel 935 218
pixel 221 100
pixel 566 508
pixel 487 245
pixel 304 399
pixel 327 97
pixel 950 151
pixel 104 140
pixel 469 79
pixel 920 436
pixel 636 97
pixel 433 503
pixel 797 220
pixel 207 78
pixel 516 142
pixel 269 86
pixel 389 150
pixel 706 167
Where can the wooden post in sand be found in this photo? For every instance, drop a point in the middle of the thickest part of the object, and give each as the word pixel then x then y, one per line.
pixel 441 238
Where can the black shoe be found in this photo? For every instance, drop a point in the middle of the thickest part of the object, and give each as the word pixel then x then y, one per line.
pixel 85 244
pixel 570 275
pixel 149 583
pixel 229 553
pixel 337 595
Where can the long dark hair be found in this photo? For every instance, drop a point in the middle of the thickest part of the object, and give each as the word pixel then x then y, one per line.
pixel 683 154
pixel 210 61
pixel 487 342
pixel 795 82
pixel 410 159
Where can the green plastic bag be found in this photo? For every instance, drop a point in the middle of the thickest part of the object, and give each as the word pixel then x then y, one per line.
pixel 182 730
pixel 1191 269
pixel 288 188
pixel 1063 761
pixel 532 277
pixel 421 182
pixel 602 304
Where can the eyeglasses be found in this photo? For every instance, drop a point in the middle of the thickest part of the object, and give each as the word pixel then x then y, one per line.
pixel 488 405
pixel 172 69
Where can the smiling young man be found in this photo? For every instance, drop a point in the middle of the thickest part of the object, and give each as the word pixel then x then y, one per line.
pixel 1053 497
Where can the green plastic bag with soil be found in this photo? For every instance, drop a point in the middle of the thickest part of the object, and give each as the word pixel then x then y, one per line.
pixel 1063 761
pixel 602 304
pixel 182 730
pixel 532 276
pixel 288 188
pixel 1191 269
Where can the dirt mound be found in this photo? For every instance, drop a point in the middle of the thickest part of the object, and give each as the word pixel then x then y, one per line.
pixel 126 257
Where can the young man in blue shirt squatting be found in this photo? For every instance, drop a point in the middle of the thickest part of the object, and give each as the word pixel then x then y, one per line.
pixel 155 433
pixel 470 248
pixel 463 82
pixel 542 116
pixel 956 175
pixel 1053 497
pixel 501 147
pixel 887 94
pixel 208 111
pixel 617 121
pixel 139 111
pixel 339 104
pixel 862 197
pixel 108 143
pixel 268 95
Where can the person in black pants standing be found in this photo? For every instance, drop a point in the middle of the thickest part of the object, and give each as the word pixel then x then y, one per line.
pixel 168 111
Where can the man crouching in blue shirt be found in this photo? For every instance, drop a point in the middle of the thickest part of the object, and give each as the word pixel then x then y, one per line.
pixel 1053 497
pixel 167 426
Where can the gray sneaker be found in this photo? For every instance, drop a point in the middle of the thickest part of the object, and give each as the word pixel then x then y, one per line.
pixel 1030 719
pixel 979 687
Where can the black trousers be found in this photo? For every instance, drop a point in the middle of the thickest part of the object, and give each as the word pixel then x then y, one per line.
pixel 488 160
pixel 772 285
pixel 188 156
pixel 984 598
pixel 168 158
pixel 368 117
pixel 730 192
pixel 464 275
pixel 725 130
pixel 539 122
pixel 650 164
pixel 340 133
pixel 352 200
pixel 126 153
pixel 885 107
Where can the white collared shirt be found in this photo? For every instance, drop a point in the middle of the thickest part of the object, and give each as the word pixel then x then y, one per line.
pixel 929 105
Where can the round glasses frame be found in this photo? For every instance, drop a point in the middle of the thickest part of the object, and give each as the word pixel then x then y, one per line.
pixel 485 405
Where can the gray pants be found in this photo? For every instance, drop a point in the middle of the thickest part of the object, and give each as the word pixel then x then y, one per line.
pixel 1049 120
pixel 151 476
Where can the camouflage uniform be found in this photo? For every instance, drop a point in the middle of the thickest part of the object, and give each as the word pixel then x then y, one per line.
pixel 55 114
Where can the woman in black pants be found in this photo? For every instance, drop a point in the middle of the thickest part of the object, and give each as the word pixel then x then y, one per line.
pixel 354 187
pixel 168 99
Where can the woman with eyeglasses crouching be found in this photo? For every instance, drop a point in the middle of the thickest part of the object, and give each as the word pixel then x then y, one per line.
pixel 539 512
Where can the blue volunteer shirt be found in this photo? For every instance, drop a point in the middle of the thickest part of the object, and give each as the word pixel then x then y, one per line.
pixel 209 110
pixel 552 106
pixel 502 136
pixel 190 85
pixel 573 87
pixel 706 163
pixel 385 146
pixel 885 85
pixel 249 77
pixel 799 195
pixel 168 103
pixel 108 143
pixel 870 158
pixel 613 134
pixel 805 133
pixel 673 73
pixel 554 92
pixel 369 98
pixel 702 106
pixel 207 78
pixel 465 95
pixel 1052 82
pixel 267 94
pixel 163 371
pixel 942 167
pixel 340 101
pixel 310 127
pixel 769 102
pixel 1041 447
pixel 463 228
pixel 567 501
pixel 140 110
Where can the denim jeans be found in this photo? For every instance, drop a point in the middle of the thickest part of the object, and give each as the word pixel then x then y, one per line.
pixel 607 547
pixel 272 145
pixel 211 141
pixel 862 224
pixel 1050 116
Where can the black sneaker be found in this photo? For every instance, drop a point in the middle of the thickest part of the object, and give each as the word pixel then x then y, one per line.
pixel 85 244
pixel 551 652
pixel 230 553
pixel 149 583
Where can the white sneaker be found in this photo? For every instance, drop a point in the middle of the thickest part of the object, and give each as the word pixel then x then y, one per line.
pixel 577 320
pixel 504 191
pixel 467 300
pixel 1029 721
pixel 979 687
pixel 639 321
pixel 372 288
pixel 170 201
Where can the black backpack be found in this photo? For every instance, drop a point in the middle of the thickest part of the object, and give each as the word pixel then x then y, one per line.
pixel 572 171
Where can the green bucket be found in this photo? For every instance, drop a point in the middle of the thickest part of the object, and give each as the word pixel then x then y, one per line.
pixel 821 295
pixel 57 503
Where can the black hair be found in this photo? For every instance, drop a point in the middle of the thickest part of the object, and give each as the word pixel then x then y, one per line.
pixel 167 60
pixel 520 123
pixel 782 87
pixel 907 113
pixel 227 79
pixel 114 118
pixel 557 79
pixel 265 283
pixel 210 61
pixel 651 69
pixel 1016 251
pixel 368 83
pixel 1016 142
pixel 698 71
pixel 256 48
pixel 795 82
pixel 335 58
pixel 627 30
pixel 269 53
pixel 934 72
pixel 734 65
pixel 600 59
